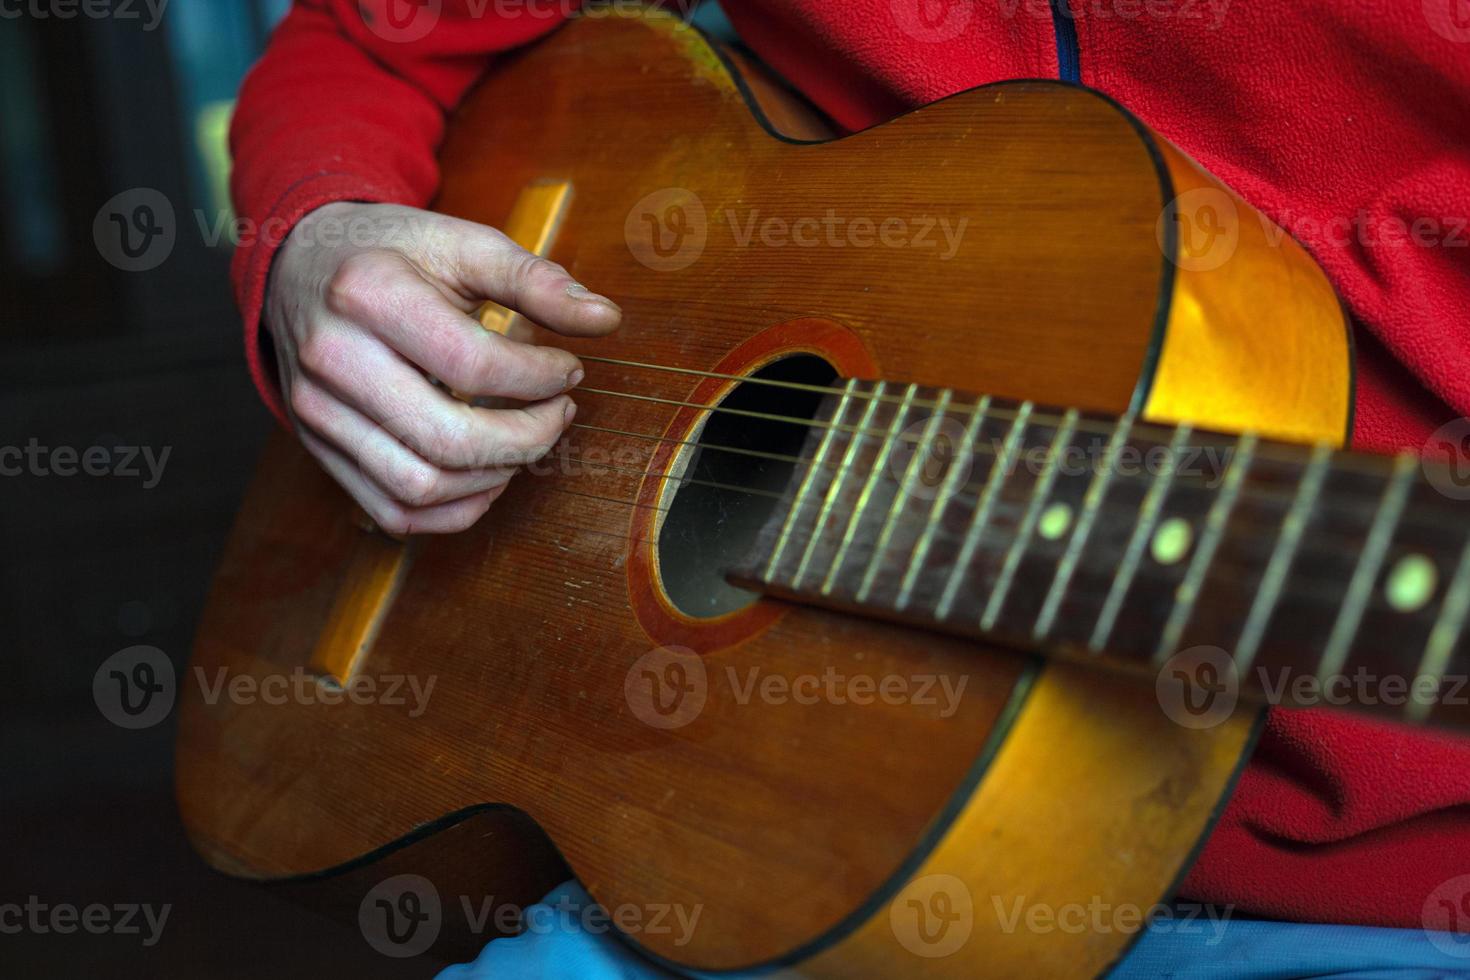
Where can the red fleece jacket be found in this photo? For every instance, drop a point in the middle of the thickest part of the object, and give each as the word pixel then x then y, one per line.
pixel 1343 120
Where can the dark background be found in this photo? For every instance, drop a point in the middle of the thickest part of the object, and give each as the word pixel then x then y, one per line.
pixel 106 108
pixel 93 355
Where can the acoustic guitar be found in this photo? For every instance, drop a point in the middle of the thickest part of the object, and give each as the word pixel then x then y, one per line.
pixel 927 543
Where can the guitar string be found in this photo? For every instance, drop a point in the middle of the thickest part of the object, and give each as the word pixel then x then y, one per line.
pixel 1366 465
pixel 1255 495
pixel 1332 503
pixel 1311 592
pixel 961 493
pixel 1366 462
pixel 608 467
pixel 803 464
pixel 1315 595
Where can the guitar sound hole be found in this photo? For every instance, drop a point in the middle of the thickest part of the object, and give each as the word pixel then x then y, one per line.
pixel 708 528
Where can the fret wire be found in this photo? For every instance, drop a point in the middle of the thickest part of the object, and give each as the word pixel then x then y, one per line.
pixel 1282 557
pixel 747 379
pixel 1067 567
pixel 980 516
pixel 1253 493
pixel 900 497
pixel 1188 589
pixel 1039 493
pixel 1148 519
pixel 834 488
pixel 947 490
pixel 1362 462
pixel 975 450
pixel 1445 634
pixel 1456 598
pixel 1360 587
pixel 1258 494
pixel 879 463
pixel 823 448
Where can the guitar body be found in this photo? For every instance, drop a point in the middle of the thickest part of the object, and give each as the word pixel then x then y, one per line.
pixel 829 836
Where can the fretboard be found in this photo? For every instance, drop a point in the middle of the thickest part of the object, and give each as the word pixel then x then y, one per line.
pixel 1325 577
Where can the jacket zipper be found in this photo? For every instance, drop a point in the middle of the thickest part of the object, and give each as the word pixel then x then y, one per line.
pixel 1069 52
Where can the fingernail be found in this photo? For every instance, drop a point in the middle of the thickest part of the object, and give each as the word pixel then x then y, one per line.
pixel 575 378
pixel 571 411
pixel 580 292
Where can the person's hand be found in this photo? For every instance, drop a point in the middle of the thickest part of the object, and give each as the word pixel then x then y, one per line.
pixel 360 329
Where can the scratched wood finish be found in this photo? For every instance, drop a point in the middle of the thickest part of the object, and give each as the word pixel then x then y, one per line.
pixel 787 824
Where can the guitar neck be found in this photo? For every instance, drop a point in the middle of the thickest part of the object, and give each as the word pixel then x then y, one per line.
pixel 1318 576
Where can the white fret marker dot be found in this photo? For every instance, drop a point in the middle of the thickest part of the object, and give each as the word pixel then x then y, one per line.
pixel 1411 583
pixel 1054 521
pixel 1171 541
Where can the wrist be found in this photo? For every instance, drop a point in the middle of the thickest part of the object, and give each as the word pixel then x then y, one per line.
pixel 321 225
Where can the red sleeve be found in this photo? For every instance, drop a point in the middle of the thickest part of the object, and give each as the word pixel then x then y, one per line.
pixel 348 104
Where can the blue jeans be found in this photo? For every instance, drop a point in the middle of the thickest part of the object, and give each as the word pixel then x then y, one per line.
pixel 559 946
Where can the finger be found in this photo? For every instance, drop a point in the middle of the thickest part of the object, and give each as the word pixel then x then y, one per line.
pixel 394 518
pixel 485 263
pixel 386 294
pixel 442 430
pixel 402 474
